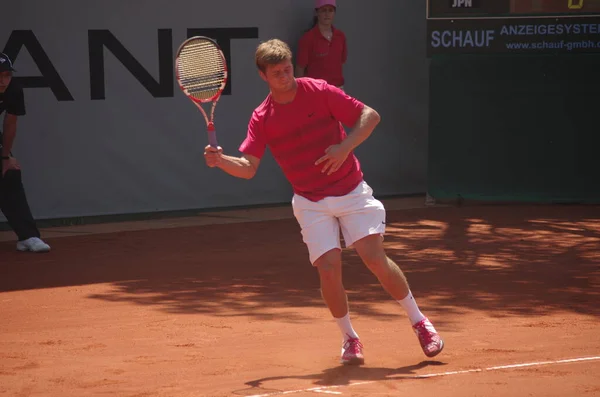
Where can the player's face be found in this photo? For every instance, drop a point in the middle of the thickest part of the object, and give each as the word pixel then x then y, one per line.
pixel 280 77
pixel 5 78
pixel 325 15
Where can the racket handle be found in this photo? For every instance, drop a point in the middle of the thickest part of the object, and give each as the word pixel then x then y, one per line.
pixel 212 136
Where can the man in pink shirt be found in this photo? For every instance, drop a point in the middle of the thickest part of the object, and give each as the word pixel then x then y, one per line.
pixel 301 121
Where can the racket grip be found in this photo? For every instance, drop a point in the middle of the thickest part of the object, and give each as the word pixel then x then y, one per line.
pixel 212 136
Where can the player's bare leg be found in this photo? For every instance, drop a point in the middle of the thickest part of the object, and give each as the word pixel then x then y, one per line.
pixel 329 266
pixel 371 251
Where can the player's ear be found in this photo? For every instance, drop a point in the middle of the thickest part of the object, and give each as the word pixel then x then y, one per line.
pixel 262 75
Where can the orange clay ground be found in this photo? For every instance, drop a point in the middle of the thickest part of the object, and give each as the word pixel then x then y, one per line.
pixel 227 304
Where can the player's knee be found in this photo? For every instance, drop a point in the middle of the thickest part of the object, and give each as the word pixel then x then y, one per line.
pixel 371 251
pixel 376 261
pixel 329 266
pixel 374 258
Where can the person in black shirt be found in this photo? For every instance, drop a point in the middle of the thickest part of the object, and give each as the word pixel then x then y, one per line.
pixel 13 202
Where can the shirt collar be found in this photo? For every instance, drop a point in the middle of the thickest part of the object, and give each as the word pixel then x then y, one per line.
pixel 317 32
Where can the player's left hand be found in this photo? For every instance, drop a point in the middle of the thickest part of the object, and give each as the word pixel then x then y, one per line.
pixel 10 164
pixel 335 155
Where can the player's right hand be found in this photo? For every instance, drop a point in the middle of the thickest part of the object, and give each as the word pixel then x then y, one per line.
pixel 213 156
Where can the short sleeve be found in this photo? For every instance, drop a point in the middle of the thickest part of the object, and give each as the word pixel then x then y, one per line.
pixel 304 45
pixel 15 99
pixel 255 143
pixel 343 107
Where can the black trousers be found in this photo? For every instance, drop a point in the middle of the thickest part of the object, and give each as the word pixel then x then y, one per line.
pixel 14 205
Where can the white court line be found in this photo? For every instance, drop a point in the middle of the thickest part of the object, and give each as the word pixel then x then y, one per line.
pixel 325 389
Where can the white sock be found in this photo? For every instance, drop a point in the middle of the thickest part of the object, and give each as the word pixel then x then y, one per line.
pixel 412 310
pixel 346 327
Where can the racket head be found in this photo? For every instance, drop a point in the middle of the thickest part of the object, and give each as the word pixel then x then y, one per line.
pixel 201 69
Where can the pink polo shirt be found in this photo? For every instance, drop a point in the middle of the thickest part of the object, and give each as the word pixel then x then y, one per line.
pixel 298 133
pixel 323 59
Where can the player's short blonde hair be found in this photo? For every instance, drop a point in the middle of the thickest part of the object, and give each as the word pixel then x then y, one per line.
pixel 272 52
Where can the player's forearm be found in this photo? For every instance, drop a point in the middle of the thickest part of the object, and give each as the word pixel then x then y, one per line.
pixel 9 132
pixel 363 128
pixel 237 166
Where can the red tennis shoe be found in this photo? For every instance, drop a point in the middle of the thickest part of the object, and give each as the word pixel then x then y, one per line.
pixel 431 342
pixel 352 352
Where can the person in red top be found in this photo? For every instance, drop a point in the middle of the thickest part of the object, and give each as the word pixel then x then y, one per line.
pixel 322 51
pixel 301 121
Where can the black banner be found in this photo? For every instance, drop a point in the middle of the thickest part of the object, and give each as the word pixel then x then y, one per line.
pixel 513 35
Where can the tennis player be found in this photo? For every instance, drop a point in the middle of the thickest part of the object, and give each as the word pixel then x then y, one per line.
pixel 301 121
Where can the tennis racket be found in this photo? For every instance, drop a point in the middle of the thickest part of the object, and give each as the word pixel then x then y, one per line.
pixel 201 72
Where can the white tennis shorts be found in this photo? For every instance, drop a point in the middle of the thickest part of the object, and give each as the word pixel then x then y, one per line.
pixel 358 214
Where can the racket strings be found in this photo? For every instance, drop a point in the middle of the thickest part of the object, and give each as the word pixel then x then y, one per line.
pixel 202 69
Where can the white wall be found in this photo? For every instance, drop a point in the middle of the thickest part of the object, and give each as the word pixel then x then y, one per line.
pixel 132 152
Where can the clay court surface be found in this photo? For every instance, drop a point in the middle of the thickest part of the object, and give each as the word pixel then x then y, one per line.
pixel 227 304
